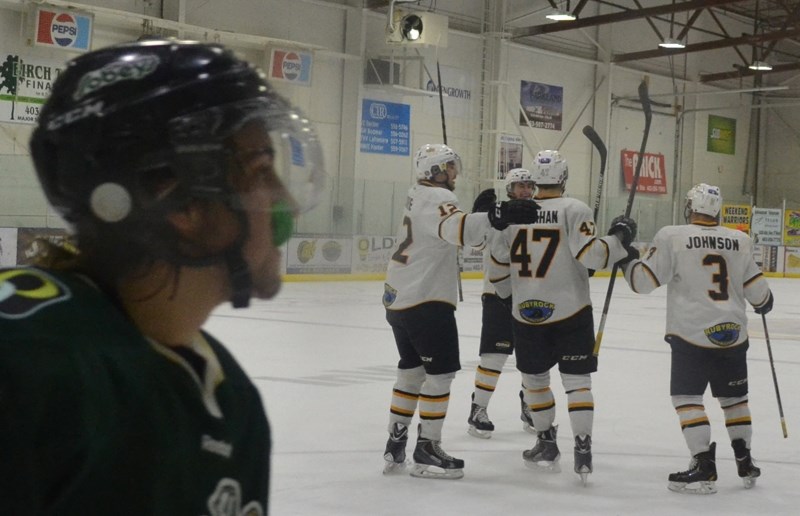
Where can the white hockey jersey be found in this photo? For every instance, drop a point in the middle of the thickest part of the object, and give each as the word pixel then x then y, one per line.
pixel 424 264
pixel 709 271
pixel 544 265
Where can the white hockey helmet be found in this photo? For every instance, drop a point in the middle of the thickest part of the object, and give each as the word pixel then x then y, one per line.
pixel 432 158
pixel 517 175
pixel 549 168
pixel 704 199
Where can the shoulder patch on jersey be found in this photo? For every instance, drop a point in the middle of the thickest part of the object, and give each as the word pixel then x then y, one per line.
pixel 25 291
pixel 723 334
pixel 536 311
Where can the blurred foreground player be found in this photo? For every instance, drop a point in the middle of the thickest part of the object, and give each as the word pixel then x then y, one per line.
pixel 171 163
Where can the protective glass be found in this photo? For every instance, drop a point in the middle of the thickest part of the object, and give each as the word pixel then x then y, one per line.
pixel 200 141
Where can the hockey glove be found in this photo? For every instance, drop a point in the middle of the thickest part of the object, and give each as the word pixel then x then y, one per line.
pixel 516 211
pixel 766 307
pixel 623 228
pixel 484 201
pixel 633 254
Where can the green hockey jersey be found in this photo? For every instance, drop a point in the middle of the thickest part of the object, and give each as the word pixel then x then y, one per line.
pixel 97 419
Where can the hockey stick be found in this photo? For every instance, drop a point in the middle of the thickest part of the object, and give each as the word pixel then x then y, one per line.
pixel 590 133
pixel 444 140
pixel 774 377
pixel 648 117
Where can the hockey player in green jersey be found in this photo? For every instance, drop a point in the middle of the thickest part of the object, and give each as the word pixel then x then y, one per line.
pixel 179 171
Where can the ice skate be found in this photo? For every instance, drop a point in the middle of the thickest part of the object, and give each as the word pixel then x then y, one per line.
pixel 525 415
pixel 480 425
pixel 745 465
pixel 395 454
pixel 700 477
pixel 545 455
pixel 583 456
pixel 431 461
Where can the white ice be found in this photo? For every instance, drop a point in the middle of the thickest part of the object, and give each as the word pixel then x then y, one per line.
pixel 324 360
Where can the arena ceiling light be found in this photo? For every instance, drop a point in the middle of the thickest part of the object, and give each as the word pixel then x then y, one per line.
pixel 411 27
pixel 671 43
pixel 560 15
pixel 760 66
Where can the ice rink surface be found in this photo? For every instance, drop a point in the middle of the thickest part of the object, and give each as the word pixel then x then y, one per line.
pixel 324 360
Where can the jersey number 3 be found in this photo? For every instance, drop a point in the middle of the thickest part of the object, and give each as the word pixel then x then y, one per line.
pixel 720 277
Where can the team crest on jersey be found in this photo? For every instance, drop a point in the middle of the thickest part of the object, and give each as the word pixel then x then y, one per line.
pixel 723 334
pixel 535 311
pixel 389 295
pixel 26 291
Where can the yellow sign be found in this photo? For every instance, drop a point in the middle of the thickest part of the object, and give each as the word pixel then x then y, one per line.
pixel 736 216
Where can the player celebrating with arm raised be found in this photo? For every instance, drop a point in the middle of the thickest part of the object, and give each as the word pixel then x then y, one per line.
pixel 497 342
pixel 543 267
pixel 710 272
pixel 171 162
pixel 420 297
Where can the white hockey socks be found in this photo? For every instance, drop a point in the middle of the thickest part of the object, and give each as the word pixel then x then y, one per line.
pixel 694 422
pixel 540 399
pixel 737 418
pixel 580 402
pixel 433 400
pixel 486 376
pixel 405 395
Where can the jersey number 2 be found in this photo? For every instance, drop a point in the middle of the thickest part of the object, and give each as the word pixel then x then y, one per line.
pixel 399 255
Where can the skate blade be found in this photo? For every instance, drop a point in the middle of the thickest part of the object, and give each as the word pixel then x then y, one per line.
pixel 480 434
pixel 749 482
pixel 703 488
pixel 584 472
pixel 529 428
pixel 435 472
pixel 544 466
pixel 394 468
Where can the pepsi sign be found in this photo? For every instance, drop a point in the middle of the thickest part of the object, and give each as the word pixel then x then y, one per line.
pixel 291 66
pixel 63 29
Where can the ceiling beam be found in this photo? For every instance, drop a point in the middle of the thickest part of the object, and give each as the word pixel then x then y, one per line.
pixel 631 14
pixel 746 72
pixel 747 39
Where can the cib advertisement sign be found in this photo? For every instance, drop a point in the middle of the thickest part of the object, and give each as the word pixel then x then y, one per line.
pixel 25 83
pixel 653 175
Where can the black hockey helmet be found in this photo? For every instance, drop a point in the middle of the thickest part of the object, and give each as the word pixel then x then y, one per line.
pixel 120 118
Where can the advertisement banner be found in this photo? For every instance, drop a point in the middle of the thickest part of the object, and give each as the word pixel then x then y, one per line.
pixel 457 88
pixel 792 262
pixel 721 135
pixel 542 104
pixel 371 254
pixel 652 177
pixel 385 127
pixel 766 226
pixel 68 30
pixel 25 83
pixel 312 255
pixel 769 257
pixel 791 228
pixel 471 259
pixel 735 216
pixel 291 66
pixel 509 154
pixel 8 247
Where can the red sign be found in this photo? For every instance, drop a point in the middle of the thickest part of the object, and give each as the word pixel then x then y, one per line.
pixel 653 176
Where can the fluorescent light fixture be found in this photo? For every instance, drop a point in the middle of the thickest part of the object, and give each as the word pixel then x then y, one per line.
pixel 760 66
pixel 560 15
pixel 671 43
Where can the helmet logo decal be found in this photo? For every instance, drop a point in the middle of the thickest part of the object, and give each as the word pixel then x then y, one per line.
pixel 75 115
pixel 112 73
